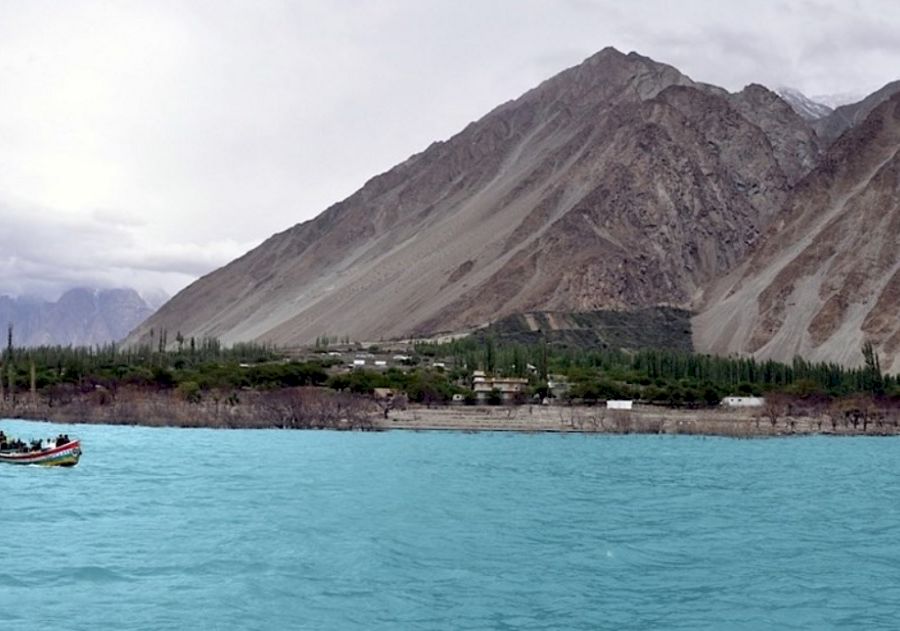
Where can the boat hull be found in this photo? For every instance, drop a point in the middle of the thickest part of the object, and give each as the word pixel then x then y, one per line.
pixel 63 456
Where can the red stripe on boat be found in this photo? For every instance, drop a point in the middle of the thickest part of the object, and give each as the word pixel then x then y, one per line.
pixel 43 454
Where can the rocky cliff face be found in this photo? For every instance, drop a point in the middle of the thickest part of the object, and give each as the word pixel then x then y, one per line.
pixel 619 183
pixel 826 276
pixel 79 317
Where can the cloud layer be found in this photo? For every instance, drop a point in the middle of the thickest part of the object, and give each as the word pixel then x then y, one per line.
pixel 44 253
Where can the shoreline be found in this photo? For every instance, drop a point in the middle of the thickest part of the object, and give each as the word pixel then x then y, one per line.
pixel 582 419
pixel 644 419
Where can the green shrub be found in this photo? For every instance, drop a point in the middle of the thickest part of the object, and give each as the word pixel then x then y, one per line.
pixel 189 391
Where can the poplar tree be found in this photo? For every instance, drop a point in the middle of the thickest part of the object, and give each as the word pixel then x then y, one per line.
pixel 33 383
pixel 10 368
pixel 873 380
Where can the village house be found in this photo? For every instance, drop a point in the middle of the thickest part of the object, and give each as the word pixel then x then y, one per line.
pixel 508 387
pixel 558 386
pixel 743 402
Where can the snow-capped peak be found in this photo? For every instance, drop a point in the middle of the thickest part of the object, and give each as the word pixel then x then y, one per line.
pixel 803 105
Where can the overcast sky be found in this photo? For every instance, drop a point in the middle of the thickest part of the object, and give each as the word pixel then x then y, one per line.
pixel 145 143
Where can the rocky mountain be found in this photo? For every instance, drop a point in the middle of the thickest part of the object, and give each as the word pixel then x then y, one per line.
pixel 619 183
pixel 79 317
pixel 826 276
pixel 843 118
pixel 807 108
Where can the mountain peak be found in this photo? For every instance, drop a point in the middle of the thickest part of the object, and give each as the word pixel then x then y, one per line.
pixel 607 52
pixel 806 107
pixel 611 76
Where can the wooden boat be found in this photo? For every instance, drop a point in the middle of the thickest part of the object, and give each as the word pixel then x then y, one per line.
pixel 65 455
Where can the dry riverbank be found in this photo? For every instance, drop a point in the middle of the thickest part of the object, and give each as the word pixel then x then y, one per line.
pixel 289 408
pixel 318 408
pixel 642 420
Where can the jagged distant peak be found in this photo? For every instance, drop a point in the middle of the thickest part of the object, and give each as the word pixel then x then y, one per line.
pixel 809 109
pixel 80 316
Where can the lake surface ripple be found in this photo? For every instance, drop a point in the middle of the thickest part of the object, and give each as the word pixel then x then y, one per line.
pixel 206 529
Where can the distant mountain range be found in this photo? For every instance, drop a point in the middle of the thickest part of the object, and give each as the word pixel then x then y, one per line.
pixel 619 184
pixel 80 316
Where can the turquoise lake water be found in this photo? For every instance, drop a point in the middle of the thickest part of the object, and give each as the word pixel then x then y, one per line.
pixel 206 529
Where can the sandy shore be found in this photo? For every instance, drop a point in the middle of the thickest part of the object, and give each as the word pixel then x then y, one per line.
pixel 643 419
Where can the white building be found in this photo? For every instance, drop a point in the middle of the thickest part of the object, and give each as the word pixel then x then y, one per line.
pixel 558 385
pixel 743 402
pixel 618 404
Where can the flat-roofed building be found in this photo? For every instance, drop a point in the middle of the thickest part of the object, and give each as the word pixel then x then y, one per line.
pixel 743 402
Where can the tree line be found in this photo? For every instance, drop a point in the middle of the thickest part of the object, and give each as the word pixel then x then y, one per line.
pixel 696 375
pixel 194 367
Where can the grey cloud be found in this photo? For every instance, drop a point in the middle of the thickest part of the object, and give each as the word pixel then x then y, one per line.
pixel 182 258
pixel 43 254
pixel 849 48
